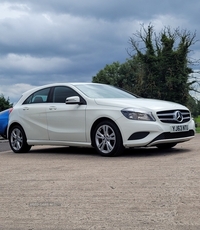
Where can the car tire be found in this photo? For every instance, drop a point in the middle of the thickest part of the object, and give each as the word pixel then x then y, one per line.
pixel 166 146
pixel 107 139
pixel 17 140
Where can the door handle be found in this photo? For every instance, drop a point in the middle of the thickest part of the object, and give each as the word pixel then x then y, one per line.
pixel 52 108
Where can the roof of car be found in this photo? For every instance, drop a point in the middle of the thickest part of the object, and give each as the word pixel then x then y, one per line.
pixel 57 84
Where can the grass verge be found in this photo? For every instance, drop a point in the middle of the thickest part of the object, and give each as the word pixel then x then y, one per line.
pixel 197 122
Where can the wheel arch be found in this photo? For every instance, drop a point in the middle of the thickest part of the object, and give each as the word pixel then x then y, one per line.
pixel 23 147
pixel 11 125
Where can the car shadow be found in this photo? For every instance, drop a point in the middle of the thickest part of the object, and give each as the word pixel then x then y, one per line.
pixel 133 152
pixel 153 151
pixel 65 150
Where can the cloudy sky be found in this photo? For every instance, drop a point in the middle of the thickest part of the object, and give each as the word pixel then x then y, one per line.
pixel 46 41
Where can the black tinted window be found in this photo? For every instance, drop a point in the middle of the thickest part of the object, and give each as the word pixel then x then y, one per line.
pixel 61 93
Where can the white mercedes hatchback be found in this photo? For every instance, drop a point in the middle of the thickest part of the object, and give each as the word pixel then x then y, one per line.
pixel 95 115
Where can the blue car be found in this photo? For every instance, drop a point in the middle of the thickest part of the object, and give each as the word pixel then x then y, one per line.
pixel 4 116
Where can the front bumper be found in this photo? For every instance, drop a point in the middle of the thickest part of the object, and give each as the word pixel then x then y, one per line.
pixel 151 133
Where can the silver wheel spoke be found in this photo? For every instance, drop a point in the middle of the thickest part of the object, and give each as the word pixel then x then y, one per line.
pixel 101 145
pixel 105 130
pixel 109 146
pixel 105 139
pixel 100 135
pixel 16 139
pixel 111 137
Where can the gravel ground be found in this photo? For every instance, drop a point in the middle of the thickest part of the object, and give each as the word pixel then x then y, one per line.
pixel 75 189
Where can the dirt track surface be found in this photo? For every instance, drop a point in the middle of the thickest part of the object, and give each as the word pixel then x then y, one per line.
pixel 75 189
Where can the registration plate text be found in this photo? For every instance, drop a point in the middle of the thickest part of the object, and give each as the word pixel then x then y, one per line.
pixel 179 128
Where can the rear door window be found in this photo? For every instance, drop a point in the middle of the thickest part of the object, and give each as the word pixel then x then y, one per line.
pixel 41 96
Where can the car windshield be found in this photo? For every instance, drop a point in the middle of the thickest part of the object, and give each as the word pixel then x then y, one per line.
pixel 103 91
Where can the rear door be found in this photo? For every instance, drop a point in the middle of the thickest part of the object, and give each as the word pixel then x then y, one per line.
pixel 33 115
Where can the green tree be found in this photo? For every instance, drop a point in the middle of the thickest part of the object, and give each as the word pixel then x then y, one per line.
pixel 163 63
pixel 109 75
pixel 157 66
pixel 120 75
pixel 4 103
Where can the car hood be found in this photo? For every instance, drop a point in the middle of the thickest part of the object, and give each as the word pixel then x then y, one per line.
pixel 142 103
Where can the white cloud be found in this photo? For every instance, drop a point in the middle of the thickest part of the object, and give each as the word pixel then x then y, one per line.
pixel 14 91
pixel 13 11
pixel 31 64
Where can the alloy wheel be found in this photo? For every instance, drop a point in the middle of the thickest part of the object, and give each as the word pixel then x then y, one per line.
pixel 105 139
pixel 16 139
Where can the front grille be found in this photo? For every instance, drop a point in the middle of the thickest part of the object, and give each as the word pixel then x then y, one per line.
pixel 168 116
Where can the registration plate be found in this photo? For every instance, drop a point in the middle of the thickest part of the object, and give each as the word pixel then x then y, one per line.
pixel 179 128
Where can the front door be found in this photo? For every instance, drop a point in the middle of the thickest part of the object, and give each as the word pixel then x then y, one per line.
pixel 66 122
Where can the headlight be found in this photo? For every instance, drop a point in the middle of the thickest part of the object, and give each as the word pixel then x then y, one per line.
pixel 135 114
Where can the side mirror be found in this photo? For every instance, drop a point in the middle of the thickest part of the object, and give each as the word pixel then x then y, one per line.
pixel 73 100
